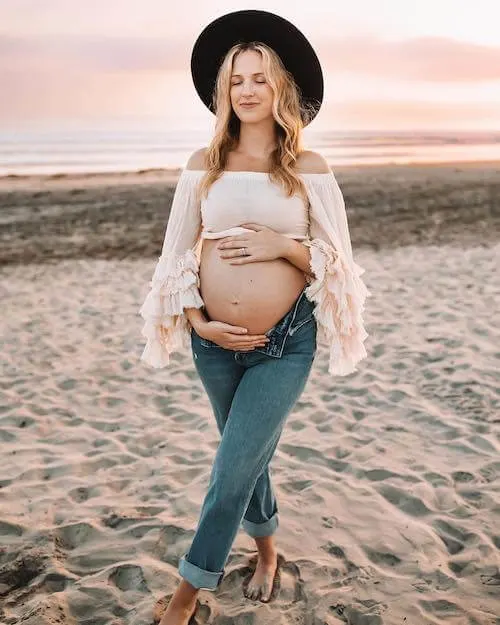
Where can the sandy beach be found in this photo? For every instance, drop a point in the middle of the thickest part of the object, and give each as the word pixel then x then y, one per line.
pixel 387 480
pixel 123 215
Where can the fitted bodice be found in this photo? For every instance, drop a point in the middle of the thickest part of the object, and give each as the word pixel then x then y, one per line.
pixel 239 197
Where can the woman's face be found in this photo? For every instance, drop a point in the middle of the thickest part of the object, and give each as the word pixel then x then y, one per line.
pixel 248 84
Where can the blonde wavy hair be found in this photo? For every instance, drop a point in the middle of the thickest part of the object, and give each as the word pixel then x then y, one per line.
pixel 290 113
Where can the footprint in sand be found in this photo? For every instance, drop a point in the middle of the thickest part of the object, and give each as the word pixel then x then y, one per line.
pixel 207 609
pixel 288 586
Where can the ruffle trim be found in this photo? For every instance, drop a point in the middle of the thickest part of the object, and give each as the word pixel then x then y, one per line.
pixel 340 296
pixel 174 287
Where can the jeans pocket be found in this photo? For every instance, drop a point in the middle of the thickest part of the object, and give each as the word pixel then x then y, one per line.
pixel 201 340
pixel 296 325
pixel 207 343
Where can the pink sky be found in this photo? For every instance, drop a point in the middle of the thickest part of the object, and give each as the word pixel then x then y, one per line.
pixel 431 64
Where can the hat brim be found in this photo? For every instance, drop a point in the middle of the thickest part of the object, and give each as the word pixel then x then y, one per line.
pixel 295 51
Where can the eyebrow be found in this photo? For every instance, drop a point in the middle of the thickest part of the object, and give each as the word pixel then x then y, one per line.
pixel 254 74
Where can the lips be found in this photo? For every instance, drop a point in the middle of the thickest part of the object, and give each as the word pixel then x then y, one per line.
pixel 249 105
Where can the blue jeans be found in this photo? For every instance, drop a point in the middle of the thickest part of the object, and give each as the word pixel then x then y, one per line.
pixel 251 394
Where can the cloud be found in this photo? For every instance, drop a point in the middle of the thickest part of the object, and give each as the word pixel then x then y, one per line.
pixel 423 59
pixel 435 59
pixel 93 53
pixel 378 112
pixel 92 74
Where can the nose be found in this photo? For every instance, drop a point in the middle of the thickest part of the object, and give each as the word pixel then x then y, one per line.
pixel 247 88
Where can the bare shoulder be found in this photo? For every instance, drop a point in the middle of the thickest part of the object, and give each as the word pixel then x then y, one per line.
pixel 310 162
pixel 197 159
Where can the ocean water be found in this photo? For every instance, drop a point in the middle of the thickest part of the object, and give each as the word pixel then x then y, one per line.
pixel 107 150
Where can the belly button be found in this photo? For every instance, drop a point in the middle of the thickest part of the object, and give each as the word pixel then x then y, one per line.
pixel 235 301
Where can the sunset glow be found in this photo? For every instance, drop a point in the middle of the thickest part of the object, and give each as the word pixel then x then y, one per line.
pixel 387 65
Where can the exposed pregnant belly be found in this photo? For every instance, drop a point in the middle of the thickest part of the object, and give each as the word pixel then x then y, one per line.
pixel 252 295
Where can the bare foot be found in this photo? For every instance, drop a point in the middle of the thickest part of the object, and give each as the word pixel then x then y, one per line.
pixel 261 585
pixel 182 605
pixel 177 616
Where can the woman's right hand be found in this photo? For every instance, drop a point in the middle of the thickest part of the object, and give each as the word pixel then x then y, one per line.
pixel 231 337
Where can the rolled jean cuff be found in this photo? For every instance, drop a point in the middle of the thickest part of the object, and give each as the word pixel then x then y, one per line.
pixel 199 578
pixel 256 530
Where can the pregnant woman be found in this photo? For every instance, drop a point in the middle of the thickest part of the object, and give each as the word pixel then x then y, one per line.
pixel 256 266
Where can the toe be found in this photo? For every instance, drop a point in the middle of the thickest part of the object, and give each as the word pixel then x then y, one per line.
pixel 265 593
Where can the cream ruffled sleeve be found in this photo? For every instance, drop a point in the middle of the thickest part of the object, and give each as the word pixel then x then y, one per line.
pixel 175 281
pixel 337 287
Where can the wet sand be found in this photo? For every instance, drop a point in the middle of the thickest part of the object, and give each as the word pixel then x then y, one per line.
pixel 120 216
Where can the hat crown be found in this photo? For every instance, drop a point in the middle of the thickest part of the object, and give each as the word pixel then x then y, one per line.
pixel 245 26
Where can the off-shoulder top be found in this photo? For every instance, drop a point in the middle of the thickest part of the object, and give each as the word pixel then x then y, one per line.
pixel 238 197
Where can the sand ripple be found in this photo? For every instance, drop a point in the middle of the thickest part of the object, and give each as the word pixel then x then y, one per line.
pixel 387 481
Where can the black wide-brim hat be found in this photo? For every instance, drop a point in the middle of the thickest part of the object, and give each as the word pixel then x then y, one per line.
pixel 295 51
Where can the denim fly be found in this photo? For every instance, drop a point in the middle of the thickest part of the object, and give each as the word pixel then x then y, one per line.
pixel 300 313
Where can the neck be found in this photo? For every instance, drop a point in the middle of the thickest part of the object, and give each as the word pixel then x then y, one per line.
pixel 257 140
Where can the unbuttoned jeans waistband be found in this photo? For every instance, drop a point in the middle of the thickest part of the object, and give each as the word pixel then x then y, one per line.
pixel 300 313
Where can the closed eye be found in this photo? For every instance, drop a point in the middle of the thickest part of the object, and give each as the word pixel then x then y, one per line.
pixel 257 81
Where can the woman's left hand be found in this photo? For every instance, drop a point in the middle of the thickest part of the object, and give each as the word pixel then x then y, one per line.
pixel 263 244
